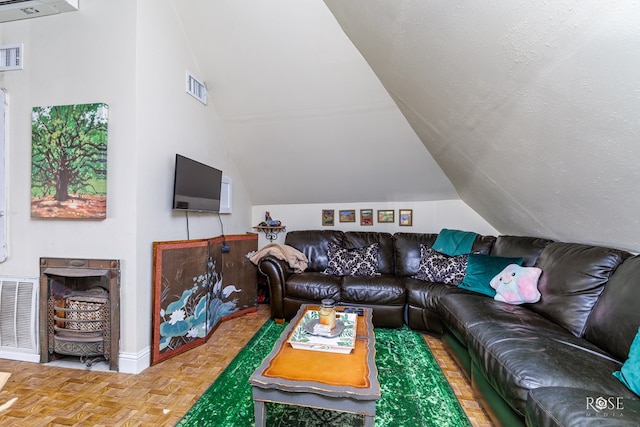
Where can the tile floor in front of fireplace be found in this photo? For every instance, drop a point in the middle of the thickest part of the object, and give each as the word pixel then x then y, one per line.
pixel 159 396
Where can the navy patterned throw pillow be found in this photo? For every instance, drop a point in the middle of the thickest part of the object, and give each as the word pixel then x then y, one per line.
pixel 352 262
pixel 440 268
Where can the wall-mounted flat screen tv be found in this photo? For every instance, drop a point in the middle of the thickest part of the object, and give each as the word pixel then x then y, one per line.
pixel 196 186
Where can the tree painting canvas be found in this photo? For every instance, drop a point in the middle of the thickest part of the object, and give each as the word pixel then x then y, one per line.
pixel 69 161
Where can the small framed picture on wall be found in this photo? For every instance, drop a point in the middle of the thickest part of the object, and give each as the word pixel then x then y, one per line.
pixel 386 215
pixel 405 217
pixel 348 215
pixel 327 216
pixel 366 216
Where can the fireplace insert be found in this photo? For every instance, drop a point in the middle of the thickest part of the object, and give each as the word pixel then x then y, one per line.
pixel 80 310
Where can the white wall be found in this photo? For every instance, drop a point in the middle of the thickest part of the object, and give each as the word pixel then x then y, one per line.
pixel 87 62
pixel 428 217
pixel 67 67
pixel 131 55
pixel 170 121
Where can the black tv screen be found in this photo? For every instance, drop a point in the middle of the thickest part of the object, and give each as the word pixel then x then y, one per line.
pixel 196 186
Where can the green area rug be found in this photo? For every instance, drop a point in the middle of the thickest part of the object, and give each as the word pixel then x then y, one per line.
pixel 414 389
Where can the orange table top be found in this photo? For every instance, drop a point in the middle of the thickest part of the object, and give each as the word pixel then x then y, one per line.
pixel 289 368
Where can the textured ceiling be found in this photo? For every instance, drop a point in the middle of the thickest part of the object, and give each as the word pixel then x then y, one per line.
pixel 532 109
pixel 307 120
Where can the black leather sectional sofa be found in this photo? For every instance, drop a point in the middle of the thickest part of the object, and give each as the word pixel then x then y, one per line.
pixel 543 364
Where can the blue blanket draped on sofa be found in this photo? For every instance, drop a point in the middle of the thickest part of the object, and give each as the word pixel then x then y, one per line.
pixel 454 242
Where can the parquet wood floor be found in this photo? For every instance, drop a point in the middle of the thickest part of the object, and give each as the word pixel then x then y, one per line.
pixel 159 396
pixel 459 383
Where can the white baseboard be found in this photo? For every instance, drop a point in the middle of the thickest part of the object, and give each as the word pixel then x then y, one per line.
pixel 22 357
pixel 134 363
pixel 129 363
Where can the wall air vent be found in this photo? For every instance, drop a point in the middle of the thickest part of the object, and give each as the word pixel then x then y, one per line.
pixel 196 88
pixel 11 57
pixel 13 10
pixel 19 319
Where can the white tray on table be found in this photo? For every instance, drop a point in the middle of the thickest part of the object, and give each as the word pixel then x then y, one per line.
pixel 343 343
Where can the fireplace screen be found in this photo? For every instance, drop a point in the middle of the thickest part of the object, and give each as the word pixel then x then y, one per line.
pixel 79 310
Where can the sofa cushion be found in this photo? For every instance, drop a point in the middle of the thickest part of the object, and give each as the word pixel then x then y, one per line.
pixel 423 303
pixel 481 269
pixel 483 244
pixel 613 322
pixel 407 251
pixel 629 374
pixel 441 268
pixel 462 312
pixel 527 248
pixel 352 262
pixel 427 295
pixel 313 286
pixel 375 290
pixel 314 244
pixel 517 349
pixel 360 239
pixel 573 277
pixel 517 359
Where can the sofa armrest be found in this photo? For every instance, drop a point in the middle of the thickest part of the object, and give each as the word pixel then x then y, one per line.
pixel 277 272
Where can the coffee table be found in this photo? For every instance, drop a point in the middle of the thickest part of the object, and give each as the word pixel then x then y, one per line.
pixel 333 381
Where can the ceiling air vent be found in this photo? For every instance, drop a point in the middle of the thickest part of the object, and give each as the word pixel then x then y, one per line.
pixel 13 10
pixel 196 88
pixel 11 57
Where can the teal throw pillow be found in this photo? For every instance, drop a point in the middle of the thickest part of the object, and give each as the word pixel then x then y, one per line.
pixel 481 269
pixel 629 374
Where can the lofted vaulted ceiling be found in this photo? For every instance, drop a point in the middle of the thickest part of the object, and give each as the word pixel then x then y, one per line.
pixel 528 111
pixel 306 118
